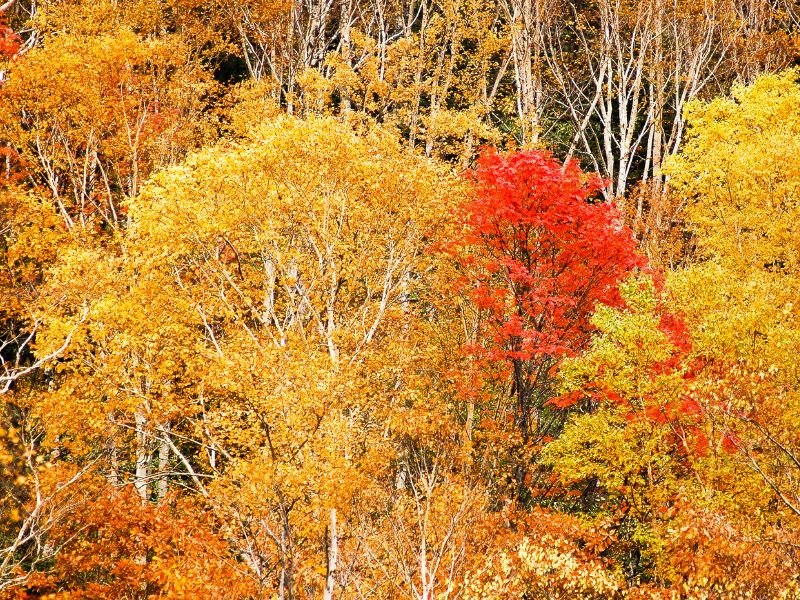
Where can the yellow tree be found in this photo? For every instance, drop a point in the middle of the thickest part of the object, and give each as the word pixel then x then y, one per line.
pixel 739 181
pixel 653 458
pixel 260 339
pixel 90 112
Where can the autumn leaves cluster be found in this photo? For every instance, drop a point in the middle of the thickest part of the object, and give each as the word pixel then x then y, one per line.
pixel 399 300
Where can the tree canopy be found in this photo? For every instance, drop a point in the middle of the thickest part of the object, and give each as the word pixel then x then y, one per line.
pixel 458 299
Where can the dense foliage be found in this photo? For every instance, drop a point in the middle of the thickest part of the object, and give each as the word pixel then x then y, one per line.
pixel 417 299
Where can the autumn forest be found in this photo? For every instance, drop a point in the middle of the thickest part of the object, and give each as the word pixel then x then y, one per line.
pixel 399 299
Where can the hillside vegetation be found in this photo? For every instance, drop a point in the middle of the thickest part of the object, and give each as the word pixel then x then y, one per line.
pixel 413 299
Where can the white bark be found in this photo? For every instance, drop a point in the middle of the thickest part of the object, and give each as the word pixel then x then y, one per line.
pixel 333 554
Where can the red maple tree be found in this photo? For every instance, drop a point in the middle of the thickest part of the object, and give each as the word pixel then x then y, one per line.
pixel 9 40
pixel 540 251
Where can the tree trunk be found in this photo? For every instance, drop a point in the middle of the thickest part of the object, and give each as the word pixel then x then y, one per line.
pixel 142 455
pixel 333 552
pixel 163 463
